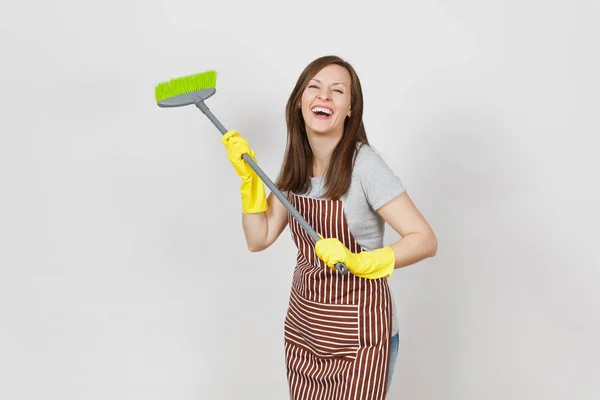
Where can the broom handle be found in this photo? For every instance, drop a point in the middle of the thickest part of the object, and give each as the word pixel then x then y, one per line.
pixel 313 235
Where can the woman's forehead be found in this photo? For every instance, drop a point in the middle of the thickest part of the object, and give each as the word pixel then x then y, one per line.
pixel 333 74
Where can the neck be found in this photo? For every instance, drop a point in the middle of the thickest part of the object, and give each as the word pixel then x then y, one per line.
pixel 322 145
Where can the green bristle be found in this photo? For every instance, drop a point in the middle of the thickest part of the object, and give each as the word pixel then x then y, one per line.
pixel 186 84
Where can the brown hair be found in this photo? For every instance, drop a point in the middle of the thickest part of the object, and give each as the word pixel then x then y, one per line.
pixel 298 160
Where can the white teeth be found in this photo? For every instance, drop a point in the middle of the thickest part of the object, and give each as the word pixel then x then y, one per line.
pixel 321 109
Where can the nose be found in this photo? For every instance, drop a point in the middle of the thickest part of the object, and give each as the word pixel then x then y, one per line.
pixel 324 93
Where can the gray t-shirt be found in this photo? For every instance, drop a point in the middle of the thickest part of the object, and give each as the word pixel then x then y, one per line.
pixel 373 184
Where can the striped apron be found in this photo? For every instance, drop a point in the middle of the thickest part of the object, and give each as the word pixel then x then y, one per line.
pixel 337 327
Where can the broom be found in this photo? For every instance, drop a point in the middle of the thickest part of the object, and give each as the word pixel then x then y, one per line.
pixel 194 89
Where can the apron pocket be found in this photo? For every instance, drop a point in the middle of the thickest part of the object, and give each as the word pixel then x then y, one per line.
pixel 326 330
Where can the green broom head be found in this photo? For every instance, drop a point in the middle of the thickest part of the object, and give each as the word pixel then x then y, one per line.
pixel 186 90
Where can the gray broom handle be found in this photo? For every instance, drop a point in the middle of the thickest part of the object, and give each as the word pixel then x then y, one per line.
pixel 314 235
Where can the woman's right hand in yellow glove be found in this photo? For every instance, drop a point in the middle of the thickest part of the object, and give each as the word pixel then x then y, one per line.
pixel 254 198
pixel 236 147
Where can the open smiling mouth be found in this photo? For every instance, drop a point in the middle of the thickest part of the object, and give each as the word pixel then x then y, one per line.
pixel 322 112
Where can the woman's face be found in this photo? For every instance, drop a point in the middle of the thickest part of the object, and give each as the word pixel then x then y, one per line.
pixel 325 101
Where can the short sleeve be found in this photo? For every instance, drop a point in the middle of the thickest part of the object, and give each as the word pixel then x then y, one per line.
pixel 380 184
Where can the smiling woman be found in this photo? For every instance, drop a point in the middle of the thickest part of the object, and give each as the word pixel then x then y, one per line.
pixel 326 101
pixel 324 118
pixel 341 331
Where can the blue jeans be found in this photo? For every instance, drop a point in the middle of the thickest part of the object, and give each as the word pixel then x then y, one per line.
pixel 393 355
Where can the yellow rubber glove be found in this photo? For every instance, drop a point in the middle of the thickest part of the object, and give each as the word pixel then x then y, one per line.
pixel 373 264
pixel 254 198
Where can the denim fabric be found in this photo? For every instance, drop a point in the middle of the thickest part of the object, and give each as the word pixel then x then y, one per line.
pixel 393 355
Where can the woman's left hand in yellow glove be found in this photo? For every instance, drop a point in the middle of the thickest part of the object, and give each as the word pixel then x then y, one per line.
pixel 366 264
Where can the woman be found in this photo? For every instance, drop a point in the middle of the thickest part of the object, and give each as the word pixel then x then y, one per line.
pixel 341 331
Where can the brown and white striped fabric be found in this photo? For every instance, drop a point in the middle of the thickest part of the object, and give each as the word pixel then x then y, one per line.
pixel 338 327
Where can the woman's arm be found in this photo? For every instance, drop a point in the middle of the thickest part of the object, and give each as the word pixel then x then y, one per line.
pixel 418 240
pixel 263 219
pixel 262 229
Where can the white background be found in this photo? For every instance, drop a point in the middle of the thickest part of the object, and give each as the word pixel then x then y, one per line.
pixel 124 272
